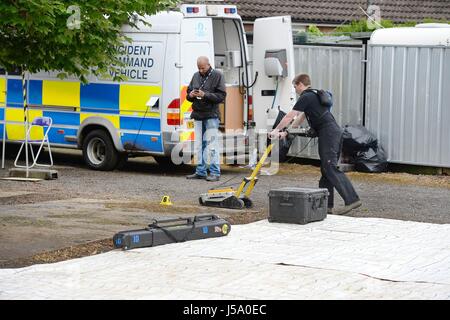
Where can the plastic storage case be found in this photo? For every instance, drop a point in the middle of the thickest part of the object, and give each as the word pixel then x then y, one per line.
pixel 173 230
pixel 297 205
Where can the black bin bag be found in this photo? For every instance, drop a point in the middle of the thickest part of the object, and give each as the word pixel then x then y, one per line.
pixel 372 161
pixel 361 148
pixel 357 138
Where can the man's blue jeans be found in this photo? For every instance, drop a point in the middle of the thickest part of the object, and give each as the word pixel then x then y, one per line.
pixel 207 143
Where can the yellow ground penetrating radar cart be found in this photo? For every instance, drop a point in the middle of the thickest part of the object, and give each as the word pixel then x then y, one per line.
pixel 235 199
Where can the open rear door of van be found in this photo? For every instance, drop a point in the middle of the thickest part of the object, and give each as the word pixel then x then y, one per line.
pixel 272 38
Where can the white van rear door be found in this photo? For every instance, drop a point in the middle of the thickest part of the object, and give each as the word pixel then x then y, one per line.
pixel 196 40
pixel 273 34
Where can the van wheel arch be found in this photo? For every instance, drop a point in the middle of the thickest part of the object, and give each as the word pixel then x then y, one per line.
pixel 99 152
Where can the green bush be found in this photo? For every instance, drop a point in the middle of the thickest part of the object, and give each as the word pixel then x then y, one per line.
pixel 314 30
pixel 362 25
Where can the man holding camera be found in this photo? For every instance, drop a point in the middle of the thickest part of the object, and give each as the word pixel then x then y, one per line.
pixel 206 91
pixel 330 142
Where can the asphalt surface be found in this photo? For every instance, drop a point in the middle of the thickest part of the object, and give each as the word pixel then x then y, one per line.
pixel 85 205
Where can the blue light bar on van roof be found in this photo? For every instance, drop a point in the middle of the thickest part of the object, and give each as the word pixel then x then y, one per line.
pixel 230 10
pixel 192 9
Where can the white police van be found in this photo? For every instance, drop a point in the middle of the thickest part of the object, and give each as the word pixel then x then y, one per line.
pixel 148 114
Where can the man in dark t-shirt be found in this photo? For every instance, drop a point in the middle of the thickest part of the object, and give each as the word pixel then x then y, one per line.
pixel 330 142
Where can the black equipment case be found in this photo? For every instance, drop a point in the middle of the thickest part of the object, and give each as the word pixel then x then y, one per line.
pixel 171 231
pixel 297 205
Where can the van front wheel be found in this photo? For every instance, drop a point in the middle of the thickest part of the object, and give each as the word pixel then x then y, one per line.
pixel 99 152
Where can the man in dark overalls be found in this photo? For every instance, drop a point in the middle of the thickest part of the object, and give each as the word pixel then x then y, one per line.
pixel 330 142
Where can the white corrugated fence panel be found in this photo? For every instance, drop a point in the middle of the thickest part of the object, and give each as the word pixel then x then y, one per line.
pixel 339 70
pixel 408 96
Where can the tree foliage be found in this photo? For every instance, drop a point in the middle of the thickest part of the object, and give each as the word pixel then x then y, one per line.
pixel 76 36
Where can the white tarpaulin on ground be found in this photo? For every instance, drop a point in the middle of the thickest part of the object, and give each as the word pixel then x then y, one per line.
pixel 338 258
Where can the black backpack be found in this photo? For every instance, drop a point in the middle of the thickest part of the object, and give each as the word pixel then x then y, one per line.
pixel 325 97
pixel 326 100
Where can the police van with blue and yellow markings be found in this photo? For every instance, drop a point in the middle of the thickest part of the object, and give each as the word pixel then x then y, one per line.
pixel 148 114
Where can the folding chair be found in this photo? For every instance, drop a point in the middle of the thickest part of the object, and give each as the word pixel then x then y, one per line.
pixel 37 122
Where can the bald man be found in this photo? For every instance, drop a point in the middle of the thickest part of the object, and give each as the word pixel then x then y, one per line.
pixel 206 91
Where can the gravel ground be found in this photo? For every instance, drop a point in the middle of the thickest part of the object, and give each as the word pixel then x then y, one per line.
pixel 84 206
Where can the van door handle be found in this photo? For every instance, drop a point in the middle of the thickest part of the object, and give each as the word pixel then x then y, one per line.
pixel 178 65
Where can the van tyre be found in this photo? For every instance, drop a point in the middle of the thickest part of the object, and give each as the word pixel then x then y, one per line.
pixel 99 152
pixel 122 161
